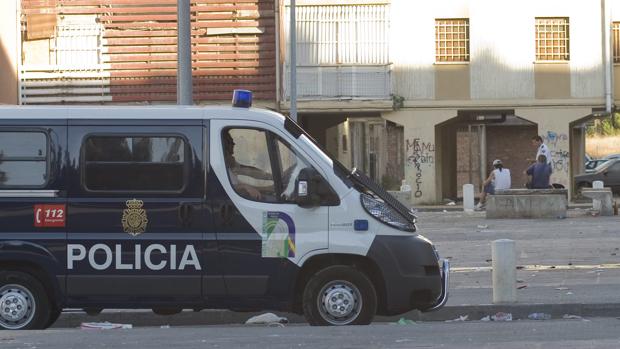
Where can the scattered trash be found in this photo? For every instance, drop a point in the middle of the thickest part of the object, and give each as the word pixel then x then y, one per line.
pixel 483 226
pixel 459 319
pixel 520 281
pixel 569 293
pixel 445 211
pixel 500 316
pixel 571 317
pixel 570 263
pixel 164 326
pixel 486 318
pixel 539 316
pixel 267 318
pixel 403 321
pixel 451 203
pixel 489 260
pixel 519 267
pixel 562 288
pixel 520 287
pixel 552 267
pixel 104 326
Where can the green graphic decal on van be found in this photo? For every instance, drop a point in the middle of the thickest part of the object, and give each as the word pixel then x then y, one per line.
pixel 278 235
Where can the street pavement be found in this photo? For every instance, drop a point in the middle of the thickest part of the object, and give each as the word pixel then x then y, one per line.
pixel 565 266
pixel 565 334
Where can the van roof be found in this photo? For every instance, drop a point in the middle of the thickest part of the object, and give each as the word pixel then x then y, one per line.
pixel 136 112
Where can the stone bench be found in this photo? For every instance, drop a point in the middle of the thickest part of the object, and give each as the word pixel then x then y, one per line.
pixel 527 203
pixel 603 195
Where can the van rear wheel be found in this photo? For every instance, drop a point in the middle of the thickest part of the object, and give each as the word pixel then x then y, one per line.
pixel 339 295
pixel 24 304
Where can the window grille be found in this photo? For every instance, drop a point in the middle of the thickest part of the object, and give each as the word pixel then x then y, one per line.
pixel 615 30
pixel 452 40
pixel 552 39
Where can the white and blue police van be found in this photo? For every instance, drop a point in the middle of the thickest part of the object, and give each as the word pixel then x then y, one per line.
pixel 170 208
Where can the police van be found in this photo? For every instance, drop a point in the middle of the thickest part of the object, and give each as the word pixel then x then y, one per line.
pixel 170 208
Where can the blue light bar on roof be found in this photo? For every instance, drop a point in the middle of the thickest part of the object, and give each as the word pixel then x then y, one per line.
pixel 242 98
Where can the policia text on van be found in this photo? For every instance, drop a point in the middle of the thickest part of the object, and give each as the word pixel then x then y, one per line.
pixel 186 207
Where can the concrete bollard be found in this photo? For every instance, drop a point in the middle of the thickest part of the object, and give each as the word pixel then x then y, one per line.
pixel 596 204
pixel 468 197
pixel 504 271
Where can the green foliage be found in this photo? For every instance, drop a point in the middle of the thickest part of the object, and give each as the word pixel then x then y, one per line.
pixel 605 127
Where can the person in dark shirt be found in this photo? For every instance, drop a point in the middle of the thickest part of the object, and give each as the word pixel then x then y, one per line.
pixel 539 174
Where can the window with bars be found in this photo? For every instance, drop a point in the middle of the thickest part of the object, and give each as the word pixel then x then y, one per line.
pixel 452 40
pixel 616 41
pixel 552 39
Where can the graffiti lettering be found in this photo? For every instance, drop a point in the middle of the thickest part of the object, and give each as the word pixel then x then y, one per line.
pixel 419 153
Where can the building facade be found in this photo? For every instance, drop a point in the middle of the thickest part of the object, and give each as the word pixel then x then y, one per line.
pixel 428 93
pixel 470 81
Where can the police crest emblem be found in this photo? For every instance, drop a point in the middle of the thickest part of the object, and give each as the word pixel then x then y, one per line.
pixel 134 218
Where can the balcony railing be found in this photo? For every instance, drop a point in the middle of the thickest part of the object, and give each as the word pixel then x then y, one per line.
pixel 341 81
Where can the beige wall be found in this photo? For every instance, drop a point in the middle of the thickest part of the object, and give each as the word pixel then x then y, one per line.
pixel 452 81
pixel 8 52
pixel 421 171
pixel 554 127
pixel 552 81
pixel 502 48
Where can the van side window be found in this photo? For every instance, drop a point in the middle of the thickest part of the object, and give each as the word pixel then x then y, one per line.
pixel 248 164
pixel 290 166
pixel 23 159
pixel 126 163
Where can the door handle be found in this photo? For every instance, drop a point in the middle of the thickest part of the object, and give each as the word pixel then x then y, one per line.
pixel 185 214
pixel 226 212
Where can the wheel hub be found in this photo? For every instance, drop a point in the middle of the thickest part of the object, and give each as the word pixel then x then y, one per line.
pixel 339 302
pixel 16 306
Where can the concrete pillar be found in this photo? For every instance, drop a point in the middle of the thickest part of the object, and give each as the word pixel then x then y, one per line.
pixel 468 197
pixel 596 204
pixel 504 271
pixel 9 47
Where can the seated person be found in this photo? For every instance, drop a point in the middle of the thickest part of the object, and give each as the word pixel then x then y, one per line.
pixel 236 169
pixel 499 179
pixel 539 174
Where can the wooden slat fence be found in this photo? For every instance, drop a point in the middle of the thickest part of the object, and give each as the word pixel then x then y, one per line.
pixel 134 46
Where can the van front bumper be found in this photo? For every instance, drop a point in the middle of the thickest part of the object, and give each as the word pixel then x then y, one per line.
pixel 413 277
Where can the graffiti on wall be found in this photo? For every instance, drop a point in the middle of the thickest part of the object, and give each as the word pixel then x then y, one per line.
pixel 419 153
pixel 560 155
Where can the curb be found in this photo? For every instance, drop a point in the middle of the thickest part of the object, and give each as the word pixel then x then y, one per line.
pixel 140 318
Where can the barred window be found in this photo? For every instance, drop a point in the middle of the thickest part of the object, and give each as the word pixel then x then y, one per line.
pixel 552 39
pixel 616 41
pixel 452 40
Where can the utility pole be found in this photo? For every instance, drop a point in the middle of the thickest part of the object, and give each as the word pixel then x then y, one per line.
pixel 184 53
pixel 293 63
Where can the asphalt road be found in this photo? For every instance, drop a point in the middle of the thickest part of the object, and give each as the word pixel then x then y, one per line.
pixel 565 334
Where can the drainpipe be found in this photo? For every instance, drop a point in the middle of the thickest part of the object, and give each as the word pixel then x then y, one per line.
pixel 184 54
pixel 278 62
pixel 18 60
pixel 605 18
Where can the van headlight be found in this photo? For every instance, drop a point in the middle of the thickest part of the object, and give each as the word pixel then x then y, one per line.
pixel 386 214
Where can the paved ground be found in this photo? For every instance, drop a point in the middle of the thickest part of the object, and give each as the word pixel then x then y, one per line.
pixel 569 266
pixel 565 334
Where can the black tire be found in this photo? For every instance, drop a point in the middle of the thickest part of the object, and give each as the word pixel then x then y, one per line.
pixel 26 295
pixel 352 291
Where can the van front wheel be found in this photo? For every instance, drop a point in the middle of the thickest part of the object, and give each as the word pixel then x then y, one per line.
pixel 339 295
pixel 24 304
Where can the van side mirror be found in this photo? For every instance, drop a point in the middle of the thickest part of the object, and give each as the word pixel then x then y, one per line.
pixel 307 188
pixel 312 190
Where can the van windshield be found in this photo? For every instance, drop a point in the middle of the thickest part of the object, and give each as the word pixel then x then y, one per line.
pixel 352 178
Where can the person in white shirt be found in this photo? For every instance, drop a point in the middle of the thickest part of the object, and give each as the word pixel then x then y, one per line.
pixel 541 149
pixel 498 179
